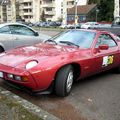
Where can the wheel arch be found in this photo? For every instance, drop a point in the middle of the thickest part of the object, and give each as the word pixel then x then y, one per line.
pixel 76 69
pixel 2 47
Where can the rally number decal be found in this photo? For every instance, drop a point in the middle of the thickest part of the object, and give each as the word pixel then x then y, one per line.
pixel 107 60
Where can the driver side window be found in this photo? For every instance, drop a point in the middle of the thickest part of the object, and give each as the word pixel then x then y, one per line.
pixel 105 39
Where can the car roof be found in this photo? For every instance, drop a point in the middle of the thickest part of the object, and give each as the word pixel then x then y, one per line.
pixel 4 24
pixel 15 23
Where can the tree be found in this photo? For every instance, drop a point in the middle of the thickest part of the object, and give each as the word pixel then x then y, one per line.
pixel 43 16
pixel 106 9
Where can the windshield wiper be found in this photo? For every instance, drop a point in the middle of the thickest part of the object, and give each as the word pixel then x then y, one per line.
pixel 49 40
pixel 69 43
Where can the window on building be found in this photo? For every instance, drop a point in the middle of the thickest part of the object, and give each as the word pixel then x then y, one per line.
pixel 48 9
pixel 62 11
pixel 30 10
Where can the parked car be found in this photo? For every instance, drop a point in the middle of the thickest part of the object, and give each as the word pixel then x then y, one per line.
pixel 63 26
pixel 57 63
pixel 70 26
pixel 89 25
pixel 15 35
pixel 100 26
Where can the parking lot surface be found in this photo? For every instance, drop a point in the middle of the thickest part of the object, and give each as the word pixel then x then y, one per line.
pixel 93 98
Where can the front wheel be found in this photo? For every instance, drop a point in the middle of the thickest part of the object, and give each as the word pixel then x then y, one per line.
pixel 64 81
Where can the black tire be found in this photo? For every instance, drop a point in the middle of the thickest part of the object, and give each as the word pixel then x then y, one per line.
pixel 1 50
pixel 64 78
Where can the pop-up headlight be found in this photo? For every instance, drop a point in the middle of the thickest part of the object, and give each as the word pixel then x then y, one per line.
pixel 31 64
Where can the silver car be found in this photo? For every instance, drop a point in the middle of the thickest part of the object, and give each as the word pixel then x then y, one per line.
pixel 14 35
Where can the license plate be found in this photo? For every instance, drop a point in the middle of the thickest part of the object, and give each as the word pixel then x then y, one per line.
pixel 1 74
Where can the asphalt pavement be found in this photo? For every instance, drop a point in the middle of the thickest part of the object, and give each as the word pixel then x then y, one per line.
pixel 93 98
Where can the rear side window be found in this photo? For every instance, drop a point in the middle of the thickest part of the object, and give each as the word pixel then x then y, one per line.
pixel 106 39
pixel 21 30
pixel 5 30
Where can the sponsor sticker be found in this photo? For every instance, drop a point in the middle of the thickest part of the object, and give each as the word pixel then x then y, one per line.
pixel 107 60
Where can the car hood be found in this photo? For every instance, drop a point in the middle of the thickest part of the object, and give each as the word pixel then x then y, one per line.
pixel 40 52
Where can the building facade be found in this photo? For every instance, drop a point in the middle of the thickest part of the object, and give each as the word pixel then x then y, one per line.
pixel 6 14
pixel 29 10
pixel 84 13
pixel 3 15
pixel 9 13
pixel 33 10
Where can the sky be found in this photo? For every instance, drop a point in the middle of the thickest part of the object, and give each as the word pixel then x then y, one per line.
pixel 80 2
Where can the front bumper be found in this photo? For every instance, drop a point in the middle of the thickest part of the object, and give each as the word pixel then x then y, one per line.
pixel 19 72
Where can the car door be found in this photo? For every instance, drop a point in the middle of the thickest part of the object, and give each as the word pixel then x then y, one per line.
pixel 6 38
pixel 108 58
pixel 23 35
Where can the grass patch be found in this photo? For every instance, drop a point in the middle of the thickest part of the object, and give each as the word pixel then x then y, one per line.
pixel 49 29
pixel 17 111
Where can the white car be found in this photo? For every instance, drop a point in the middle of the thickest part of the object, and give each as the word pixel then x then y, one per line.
pixel 14 35
pixel 89 25
pixel 63 26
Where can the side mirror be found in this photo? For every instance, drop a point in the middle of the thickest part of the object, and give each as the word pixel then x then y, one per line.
pixel 103 47
pixel 36 34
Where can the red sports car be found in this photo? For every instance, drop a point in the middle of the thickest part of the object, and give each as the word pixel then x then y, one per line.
pixel 65 58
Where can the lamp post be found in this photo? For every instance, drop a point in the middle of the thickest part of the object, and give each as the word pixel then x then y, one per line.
pixel 97 14
pixel 76 17
pixel 64 22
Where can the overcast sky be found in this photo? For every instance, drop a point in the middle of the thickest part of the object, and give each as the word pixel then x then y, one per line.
pixel 80 2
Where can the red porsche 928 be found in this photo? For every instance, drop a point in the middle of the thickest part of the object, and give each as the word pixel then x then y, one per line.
pixel 61 60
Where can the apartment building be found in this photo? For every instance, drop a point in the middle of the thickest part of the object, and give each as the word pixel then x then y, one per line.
pixel 6 11
pixel 3 14
pixel 9 12
pixel 31 10
pixel 66 4
pixel 48 6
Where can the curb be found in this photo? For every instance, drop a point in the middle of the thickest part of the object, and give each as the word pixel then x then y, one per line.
pixel 28 105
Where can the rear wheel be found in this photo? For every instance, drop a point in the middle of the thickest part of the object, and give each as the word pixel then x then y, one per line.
pixel 64 81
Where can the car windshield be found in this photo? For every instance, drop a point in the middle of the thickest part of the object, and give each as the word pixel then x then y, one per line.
pixel 80 38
